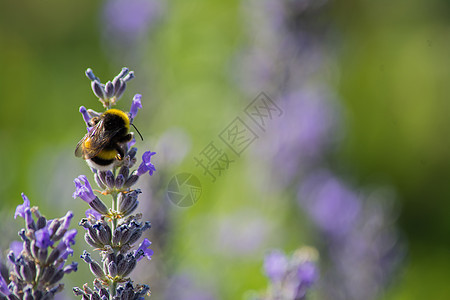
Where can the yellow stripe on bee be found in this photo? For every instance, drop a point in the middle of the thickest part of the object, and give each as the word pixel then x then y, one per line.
pixel 121 114
pixel 107 154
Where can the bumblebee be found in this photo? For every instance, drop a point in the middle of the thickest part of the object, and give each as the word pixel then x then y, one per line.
pixel 105 143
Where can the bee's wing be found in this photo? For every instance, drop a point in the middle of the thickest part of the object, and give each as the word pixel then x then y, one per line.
pixel 95 144
pixel 98 139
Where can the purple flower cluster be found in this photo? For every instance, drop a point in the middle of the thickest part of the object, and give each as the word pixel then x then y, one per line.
pixel 39 262
pixel 290 276
pixel 114 231
pixel 361 245
pixel 291 59
pixel 125 22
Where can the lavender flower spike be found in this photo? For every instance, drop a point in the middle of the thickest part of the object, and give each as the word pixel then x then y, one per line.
pixel 20 210
pixel 135 105
pixel 146 165
pixel 83 189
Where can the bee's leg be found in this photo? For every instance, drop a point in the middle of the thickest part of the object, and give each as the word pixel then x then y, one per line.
pixel 126 138
pixel 120 152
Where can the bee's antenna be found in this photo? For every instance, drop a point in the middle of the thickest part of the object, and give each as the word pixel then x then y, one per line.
pixel 137 131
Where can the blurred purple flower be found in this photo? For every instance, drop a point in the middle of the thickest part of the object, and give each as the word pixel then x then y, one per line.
pixel 291 276
pixel 332 205
pixel 128 20
pixel 183 286
pixel 16 247
pixel 308 129
pixel 275 265
pixel 4 287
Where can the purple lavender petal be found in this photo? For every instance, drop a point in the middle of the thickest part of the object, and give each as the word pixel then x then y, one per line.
pixel 43 240
pixel 20 210
pixel 66 253
pixel 146 165
pixel 69 237
pixel 147 252
pixel 73 267
pixel 83 189
pixel 135 105
pixel 94 213
pixel 67 218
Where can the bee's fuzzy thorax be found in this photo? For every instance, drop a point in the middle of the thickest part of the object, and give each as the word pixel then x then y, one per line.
pixel 124 116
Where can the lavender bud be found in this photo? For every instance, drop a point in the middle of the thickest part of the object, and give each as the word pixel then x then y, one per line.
pixel 129 267
pixel 25 272
pixel 131 181
pixel 34 249
pixel 78 292
pixel 94 266
pixel 126 234
pixel 53 255
pixel 41 222
pixel 109 89
pixel 99 181
pixel 120 180
pixel 112 269
pixel 57 277
pixel 12 257
pixel 134 237
pixel 96 269
pixel 90 75
pixel 54 226
pixel 28 294
pixel 48 273
pixel 98 89
pixel 127 201
pixel 109 179
pixel 103 233
pixel 132 152
pixel 95 296
pixel 42 255
pixel 117 236
pixel 99 206
pixel 104 293
pixel 121 89
pixel 128 77
pixel 117 83
pixel 30 225
pixel 124 171
pixel 123 72
pixel 121 266
pixel 91 242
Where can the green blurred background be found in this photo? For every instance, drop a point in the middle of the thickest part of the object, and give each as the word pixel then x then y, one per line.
pixel 393 73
